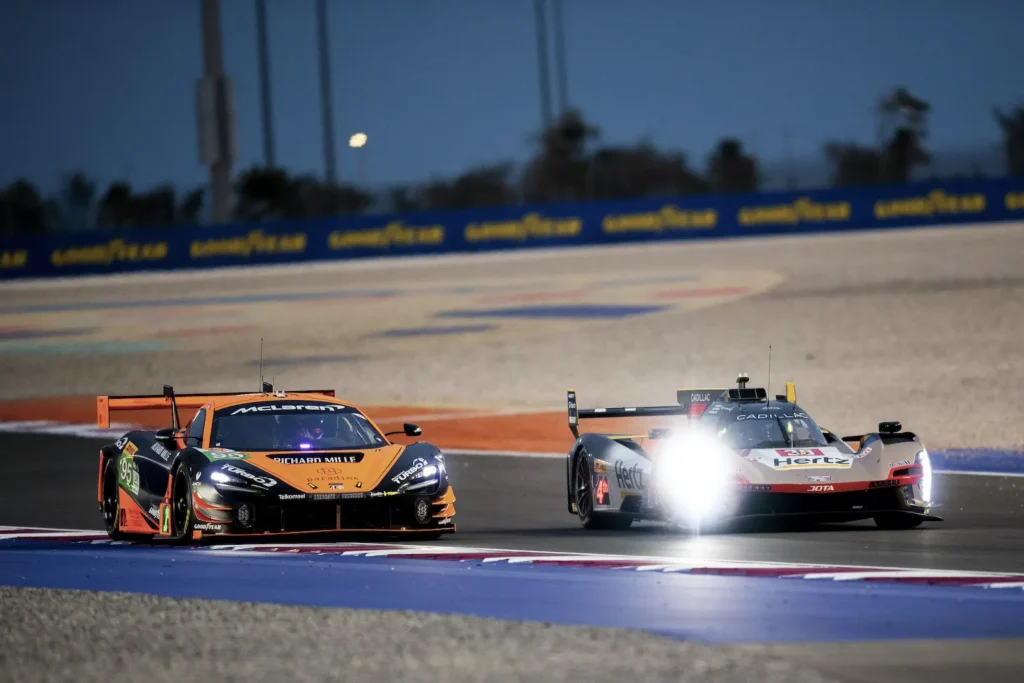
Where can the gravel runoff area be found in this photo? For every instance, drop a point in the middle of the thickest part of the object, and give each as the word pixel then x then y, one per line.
pixel 79 636
pixel 921 325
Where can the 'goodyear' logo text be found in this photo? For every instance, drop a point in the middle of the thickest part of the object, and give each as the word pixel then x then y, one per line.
pixel 394 232
pixel 532 225
pixel 255 242
pixel 1014 201
pixel 106 254
pixel 10 260
pixel 934 203
pixel 668 217
pixel 801 210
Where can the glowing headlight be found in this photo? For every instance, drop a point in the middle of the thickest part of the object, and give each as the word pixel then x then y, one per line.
pixel 694 475
pixel 222 478
pixel 926 475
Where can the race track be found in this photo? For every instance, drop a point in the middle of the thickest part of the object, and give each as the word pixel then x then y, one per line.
pixel 920 325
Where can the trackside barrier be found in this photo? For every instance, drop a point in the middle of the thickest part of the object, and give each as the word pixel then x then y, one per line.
pixel 351 237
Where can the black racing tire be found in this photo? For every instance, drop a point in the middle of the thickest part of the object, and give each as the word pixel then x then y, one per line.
pixel 897 522
pixel 582 483
pixel 110 503
pixel 183 516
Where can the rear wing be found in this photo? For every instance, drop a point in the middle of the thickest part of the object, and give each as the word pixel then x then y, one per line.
pixel 575 414
pixel 691 402
pixel 168 399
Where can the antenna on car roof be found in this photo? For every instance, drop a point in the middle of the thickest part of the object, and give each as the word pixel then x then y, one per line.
pixel 769 392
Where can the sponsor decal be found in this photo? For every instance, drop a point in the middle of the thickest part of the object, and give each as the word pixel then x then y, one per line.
pixel 820 477
pixel 883 484
pixel 206 526
pixel 821 487
pixel 128 474
pixel 154 512
pixel 316 459
pixel 352 496
pixel 382 494
pixel 251 476
pixel 754 487
pixel 772 416
pixel 290 408
pixel 901 463
pixel 130 449
pixel 417 465
pixel 159 449
pixel 225 454
pixel 292 496
pixel 629 477
pixel 324 496
pixel 444 520
pixel 121 442
pixel 335 487
pixel 600 467
pixel 809 458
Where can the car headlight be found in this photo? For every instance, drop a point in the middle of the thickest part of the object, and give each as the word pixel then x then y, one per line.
pixel 694 475
pixel 926 474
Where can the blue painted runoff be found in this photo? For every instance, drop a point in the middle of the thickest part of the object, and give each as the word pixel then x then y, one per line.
pixel 435 331
pixel 586 311
pixel 996 461
pixel 712 609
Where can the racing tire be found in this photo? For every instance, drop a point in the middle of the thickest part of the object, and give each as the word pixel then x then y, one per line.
pixel 897 522
pixel 183 517
pixel 110 504
pixel 582 487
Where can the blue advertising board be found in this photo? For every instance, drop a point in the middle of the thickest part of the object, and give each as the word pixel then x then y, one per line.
pixel 350 237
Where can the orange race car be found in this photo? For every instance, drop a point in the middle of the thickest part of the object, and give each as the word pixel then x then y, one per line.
pixel 267 463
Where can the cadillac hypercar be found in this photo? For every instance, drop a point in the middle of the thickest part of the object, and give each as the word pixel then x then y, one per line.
pixel 270 462
pixel 722 455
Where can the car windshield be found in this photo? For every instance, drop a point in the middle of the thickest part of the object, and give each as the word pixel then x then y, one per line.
pixel 772 431
pixel 293 426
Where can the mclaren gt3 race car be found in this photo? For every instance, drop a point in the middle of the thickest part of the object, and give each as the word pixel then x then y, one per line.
pixel 728 454
pixel 267 463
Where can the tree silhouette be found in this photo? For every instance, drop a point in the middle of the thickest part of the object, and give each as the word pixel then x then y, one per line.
pixel 478 187
pixel 1012 125
pixel 559 170
pixel 730 170
pixel 902 128
pixel 641 171
pixel 271 193
pixel 854 165
pixel 21 209
pixel 78 194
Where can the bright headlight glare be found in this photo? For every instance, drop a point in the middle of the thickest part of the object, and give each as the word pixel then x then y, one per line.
pixel 926 475
pixel 694 474
pixel 219 476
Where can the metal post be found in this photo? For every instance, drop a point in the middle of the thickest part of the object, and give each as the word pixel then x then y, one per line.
pixel 561 71
pixel 542 62
pixel 330 167
pixel 265 97
pixel 220 148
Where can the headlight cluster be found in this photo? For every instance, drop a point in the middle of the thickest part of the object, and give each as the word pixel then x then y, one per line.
pixel 694 476
pixel 925 463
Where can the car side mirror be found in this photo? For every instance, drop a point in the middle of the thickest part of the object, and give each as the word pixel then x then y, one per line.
pixel 890 427
pixel 411 429
pixel 166 434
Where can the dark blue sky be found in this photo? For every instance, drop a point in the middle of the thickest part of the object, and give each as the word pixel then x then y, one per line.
pixel 439 85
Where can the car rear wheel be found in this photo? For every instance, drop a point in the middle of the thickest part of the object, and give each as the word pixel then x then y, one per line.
pixel 897 522
pixel 583 484
pixel 183 518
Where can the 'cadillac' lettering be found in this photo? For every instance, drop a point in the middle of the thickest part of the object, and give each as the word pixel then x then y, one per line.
pixel 772 416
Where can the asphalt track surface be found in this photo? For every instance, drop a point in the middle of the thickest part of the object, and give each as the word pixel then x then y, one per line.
pixel 519 504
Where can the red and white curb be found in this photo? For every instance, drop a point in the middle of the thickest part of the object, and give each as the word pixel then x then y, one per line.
pixel 668 565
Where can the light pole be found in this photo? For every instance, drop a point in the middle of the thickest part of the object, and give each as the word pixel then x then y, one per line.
pixel 330 167
pixel 264 59
pixel 539 10
pixel 357 142
pixel 215 114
